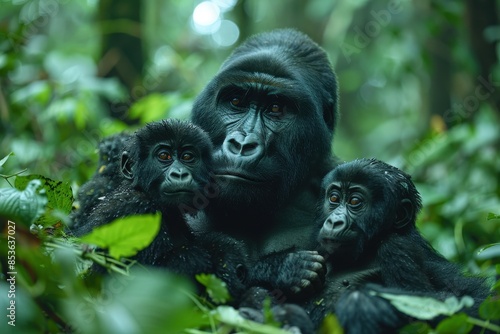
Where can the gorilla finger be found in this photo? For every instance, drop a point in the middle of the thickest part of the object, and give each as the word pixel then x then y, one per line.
pixel 304 283
pixel 310 275
pixel 315 266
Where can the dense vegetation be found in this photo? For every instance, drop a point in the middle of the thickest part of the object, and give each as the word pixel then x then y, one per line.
pixel 419 88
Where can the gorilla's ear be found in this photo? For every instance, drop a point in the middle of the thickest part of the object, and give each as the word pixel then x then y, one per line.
pixel 405 214
pixel 126 166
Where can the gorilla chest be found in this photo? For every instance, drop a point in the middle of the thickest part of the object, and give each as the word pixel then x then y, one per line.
pixel 292 228
pixel 338 282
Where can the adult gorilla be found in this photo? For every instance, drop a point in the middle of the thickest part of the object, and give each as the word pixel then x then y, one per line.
pixel 270 112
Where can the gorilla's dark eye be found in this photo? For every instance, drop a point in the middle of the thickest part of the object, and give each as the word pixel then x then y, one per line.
pixel 187 156
pixel 276 109
pixel 334 198
pixel 164 156
pixel 235 101
pixel 355 201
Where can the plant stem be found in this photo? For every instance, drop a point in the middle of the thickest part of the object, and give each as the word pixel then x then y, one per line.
pixel 484 324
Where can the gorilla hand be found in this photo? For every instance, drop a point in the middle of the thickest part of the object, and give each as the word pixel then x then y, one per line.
pixel 295 273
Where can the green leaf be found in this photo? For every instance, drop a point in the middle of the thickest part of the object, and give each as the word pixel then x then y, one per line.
pixel 496 286
pixel 59 195
pixel 216 288
pixel 149 108
pixel 416 327
pixel 268 314
pixel 37 91
pixel 331 325
pixel 491 215
pixel 147 301
pixel 230 316
pixel 426 308
pixel 4 159
pixel 490 308
pixel 23 206
pixel 493 251
pixel 456 324
pixel 124 237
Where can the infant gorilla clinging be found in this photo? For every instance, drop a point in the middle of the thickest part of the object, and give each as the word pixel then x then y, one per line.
pixel 164 165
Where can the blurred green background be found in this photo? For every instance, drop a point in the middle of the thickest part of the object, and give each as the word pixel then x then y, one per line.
pixel 419 88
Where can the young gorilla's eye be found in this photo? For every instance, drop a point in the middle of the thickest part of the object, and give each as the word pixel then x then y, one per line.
pixel 355 201
pixel 276 108
pixel 235 101
pixel 164 156
pixel 187 156
pixel 334 198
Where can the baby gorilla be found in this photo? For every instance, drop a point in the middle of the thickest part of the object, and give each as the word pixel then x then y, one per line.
pixel 366 232
pixel 164 168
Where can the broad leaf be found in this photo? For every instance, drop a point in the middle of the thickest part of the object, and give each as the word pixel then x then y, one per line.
pixel 149 108
pixel 490 309
pixel 491 251
pixel 23 206
pixel 456 324
pixel 426 308
pixel 124 237
pixel 230 316
pixel 331 325
pixel 152 301
pixel 491 215
pixel 416 327
pixel 59 195
pixel 216 289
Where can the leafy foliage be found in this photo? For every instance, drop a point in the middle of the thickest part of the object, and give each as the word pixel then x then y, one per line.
pixel 216 289
pixel 124 237
pixel 4 159
pixel 128 292
pixel 492 216
pixel 129 299
pixel 456 324
pixel 490 309
pixel 426 308
pixel 331 325
pixel 24 206
pixel 125 305
pixel 58 99
pixel 59 196
pixel 229 316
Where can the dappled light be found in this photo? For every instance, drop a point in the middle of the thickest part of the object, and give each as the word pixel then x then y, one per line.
pixel 208 19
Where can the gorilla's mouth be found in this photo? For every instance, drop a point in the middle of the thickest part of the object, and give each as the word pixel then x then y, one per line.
pixel 178 192
pixel 237 176
pixel 330 243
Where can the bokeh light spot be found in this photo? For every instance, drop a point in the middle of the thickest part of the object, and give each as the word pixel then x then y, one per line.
pixel 206 14
pixel 227 34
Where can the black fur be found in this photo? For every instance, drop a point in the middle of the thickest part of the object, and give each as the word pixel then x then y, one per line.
pixel 367 234
pixel 271 111
pixel 164 167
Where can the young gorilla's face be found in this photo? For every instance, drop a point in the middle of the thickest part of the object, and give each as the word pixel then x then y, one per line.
pixel 347 207
pixel 169 161
pixel 362 201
